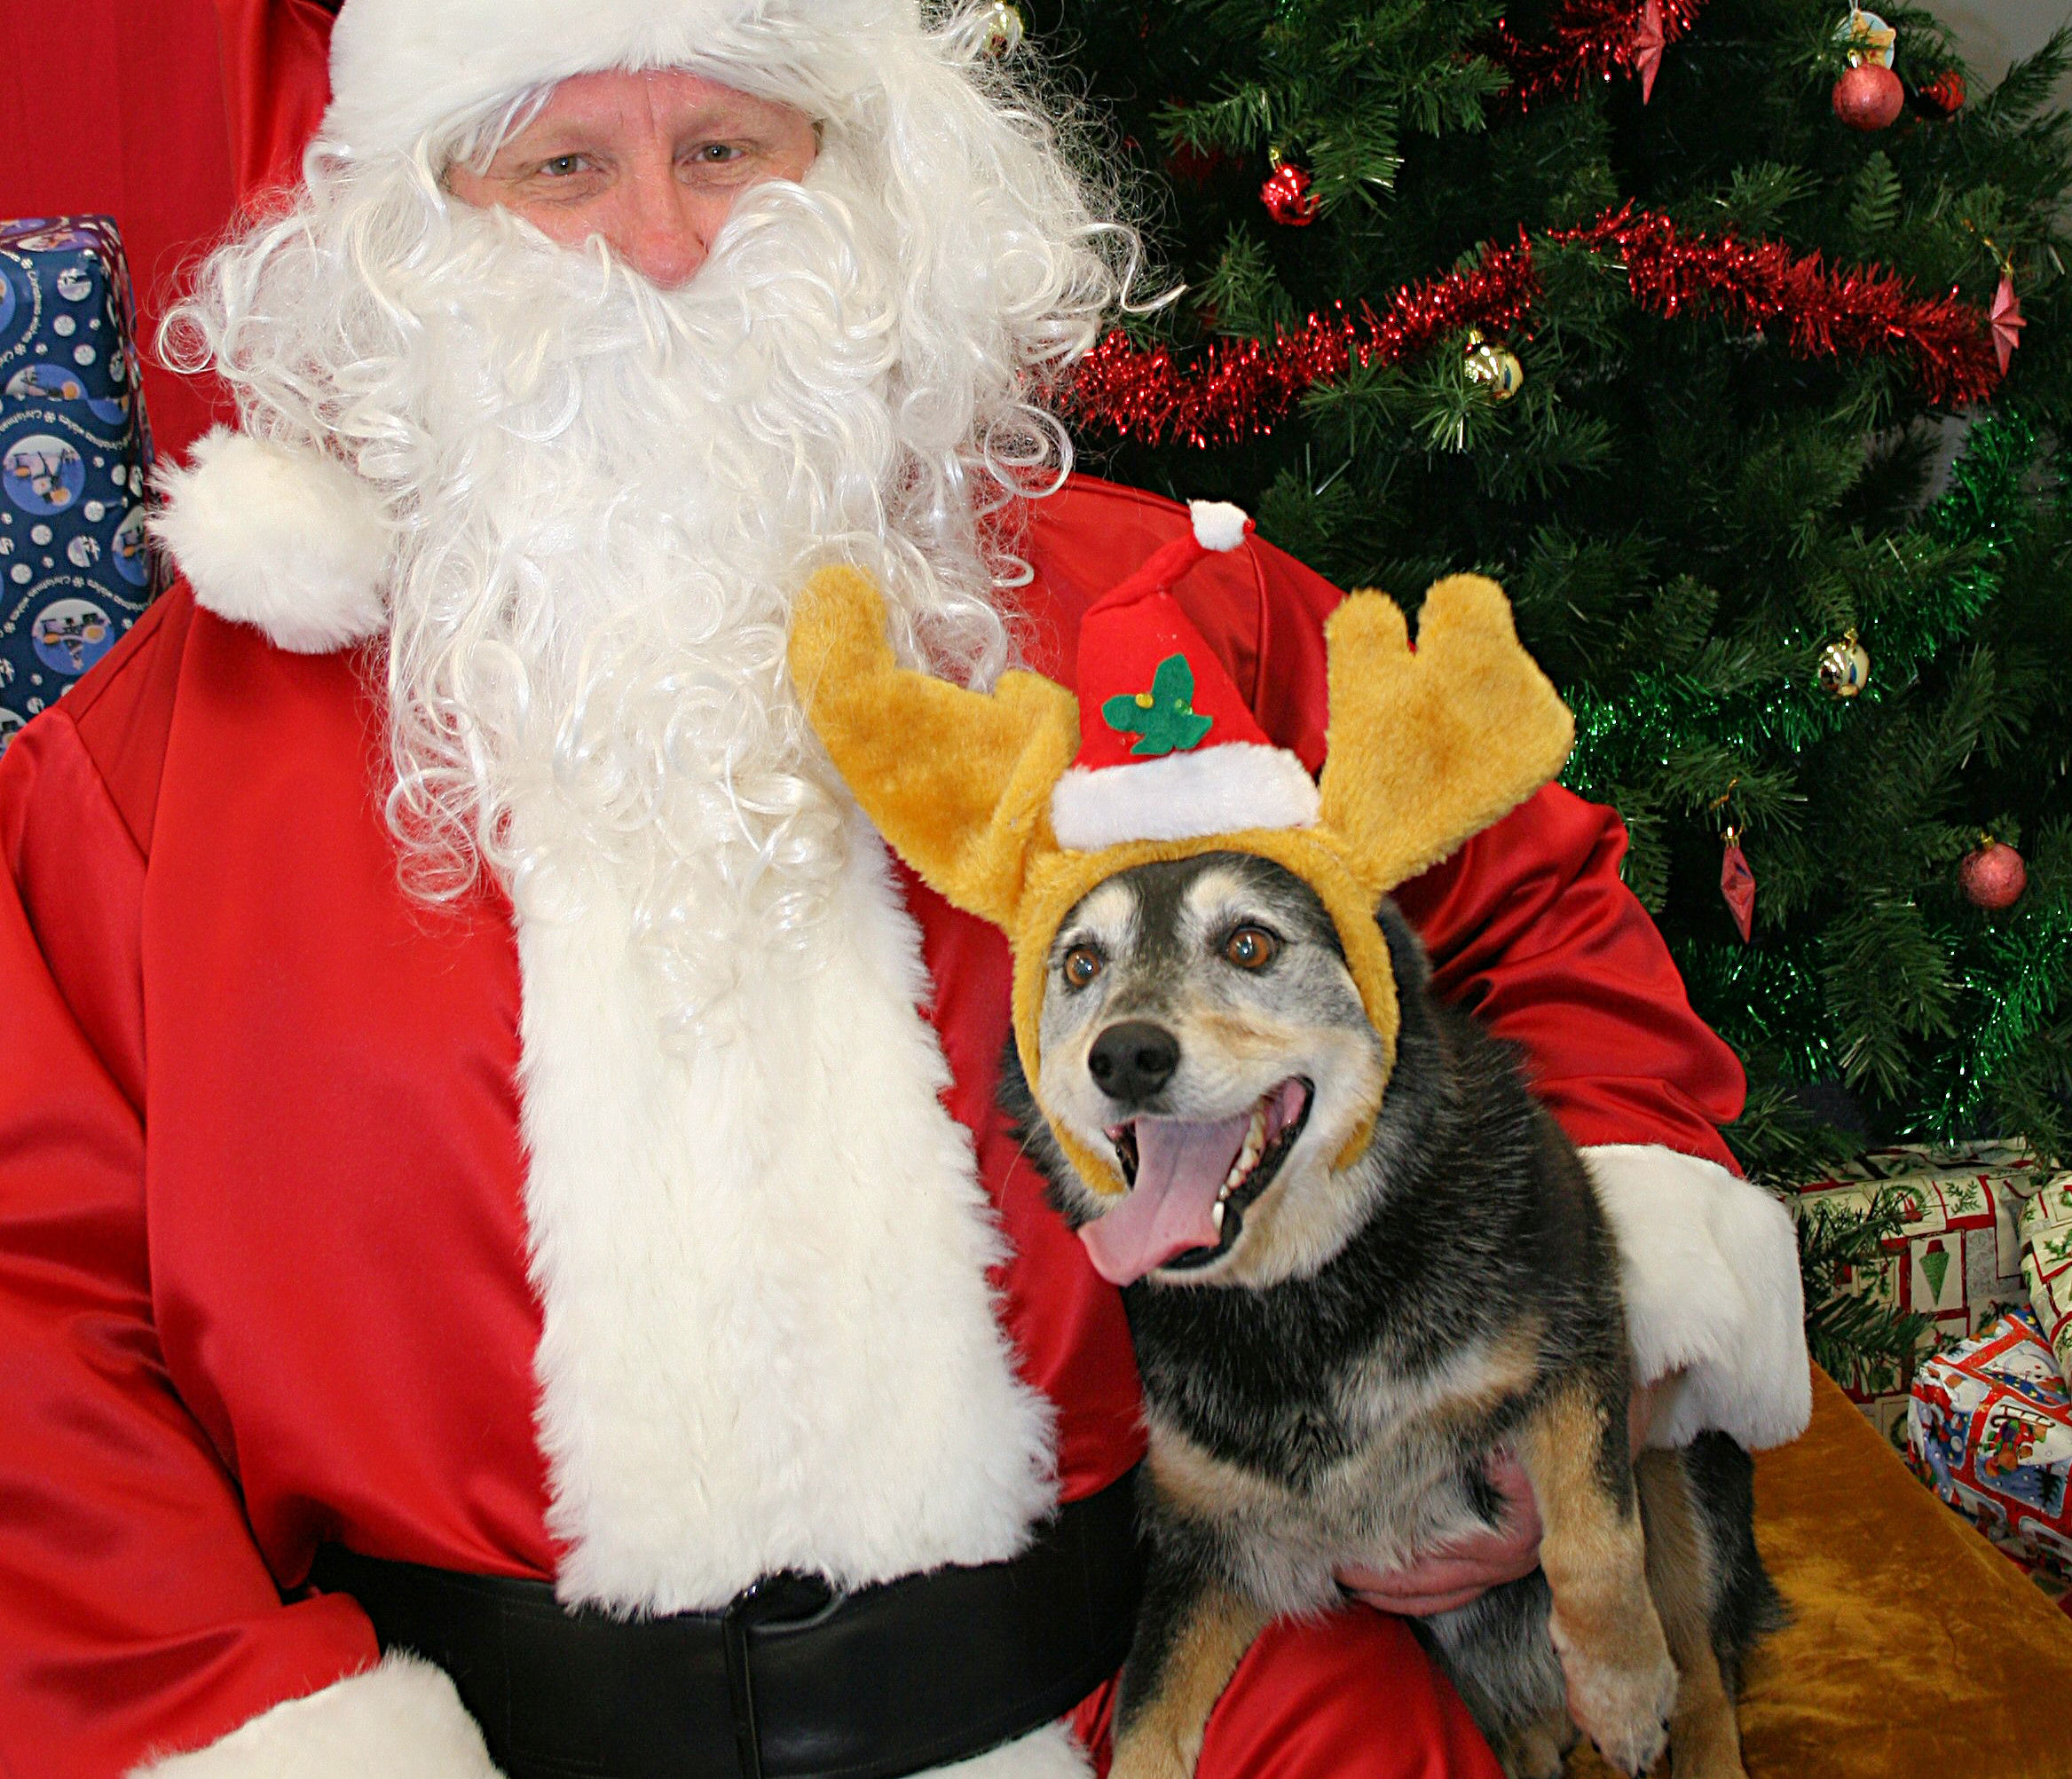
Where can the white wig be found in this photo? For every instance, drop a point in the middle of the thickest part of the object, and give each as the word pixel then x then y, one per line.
pixel 880 346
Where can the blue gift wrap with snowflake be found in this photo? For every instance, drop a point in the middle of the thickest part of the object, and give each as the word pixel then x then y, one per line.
pixel 76 567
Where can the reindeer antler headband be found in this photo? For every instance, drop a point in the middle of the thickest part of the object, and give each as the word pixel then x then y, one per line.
pixel 1427 746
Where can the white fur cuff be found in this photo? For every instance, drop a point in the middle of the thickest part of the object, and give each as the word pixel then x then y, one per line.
pixel 1709 1264
pixel 286 539
pixel 401 1721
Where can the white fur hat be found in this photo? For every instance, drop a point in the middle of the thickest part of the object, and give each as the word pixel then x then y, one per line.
pixel 401 67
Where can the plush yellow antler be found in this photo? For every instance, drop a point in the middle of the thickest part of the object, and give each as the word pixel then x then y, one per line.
pixel 960 783
pixel 1427 748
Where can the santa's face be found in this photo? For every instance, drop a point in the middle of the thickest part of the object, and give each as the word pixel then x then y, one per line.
pixel 651 163
pixel 621 360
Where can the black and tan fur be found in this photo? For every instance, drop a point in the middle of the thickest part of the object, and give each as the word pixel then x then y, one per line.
pixel 1324 1388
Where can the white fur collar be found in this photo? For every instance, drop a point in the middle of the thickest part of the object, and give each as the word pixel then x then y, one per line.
pixel 769 1338
pixel 281 537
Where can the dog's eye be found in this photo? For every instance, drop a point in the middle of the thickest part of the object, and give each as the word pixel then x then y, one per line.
pixel 1250 948
pixel 1082 964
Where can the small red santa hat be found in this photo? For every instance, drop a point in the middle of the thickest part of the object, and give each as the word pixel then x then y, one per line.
pixel 1169 750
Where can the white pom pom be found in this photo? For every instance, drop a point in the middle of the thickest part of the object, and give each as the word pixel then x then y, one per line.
pixel 1217 524
pixel 280 537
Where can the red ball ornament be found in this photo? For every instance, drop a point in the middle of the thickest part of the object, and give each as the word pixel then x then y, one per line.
pixel 1993 877
pixel 1288 196
pixel 1868 96
pixel 1943 96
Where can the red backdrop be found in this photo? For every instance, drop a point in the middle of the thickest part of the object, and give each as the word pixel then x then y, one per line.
pixel 163 114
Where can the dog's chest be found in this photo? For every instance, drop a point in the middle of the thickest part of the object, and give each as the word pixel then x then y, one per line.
pixel 1367 1465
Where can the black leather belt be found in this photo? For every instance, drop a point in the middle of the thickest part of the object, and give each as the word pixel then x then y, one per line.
pixel 793 1680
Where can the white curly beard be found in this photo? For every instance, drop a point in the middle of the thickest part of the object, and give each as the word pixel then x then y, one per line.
pixel 613 492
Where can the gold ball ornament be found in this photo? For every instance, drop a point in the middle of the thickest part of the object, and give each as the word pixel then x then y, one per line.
pixel 1494 367
pixel 1845 666
pixel 1004 28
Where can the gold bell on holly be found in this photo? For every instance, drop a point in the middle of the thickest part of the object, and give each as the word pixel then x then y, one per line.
pixel 1004 28
pixel 1845 666
pixel 1494 367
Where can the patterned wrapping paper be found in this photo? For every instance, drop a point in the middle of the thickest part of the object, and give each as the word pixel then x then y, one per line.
pixel 74 449
pixel 1956 1259
pixel 2046 1263
pixel 1989 1430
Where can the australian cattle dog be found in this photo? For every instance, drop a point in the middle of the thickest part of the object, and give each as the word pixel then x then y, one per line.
pixel 1332 1344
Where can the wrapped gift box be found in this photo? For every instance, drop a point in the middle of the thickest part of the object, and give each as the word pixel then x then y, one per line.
pixel 1957 1257
pixel 75 568
pixel 1990 1429
pixel 2046 1263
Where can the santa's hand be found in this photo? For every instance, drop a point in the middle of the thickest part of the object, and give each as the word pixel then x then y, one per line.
pixel 1470 1567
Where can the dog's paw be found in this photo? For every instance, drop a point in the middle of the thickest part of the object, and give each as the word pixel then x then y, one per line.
pixel 1537 1751
pixel 1624 1705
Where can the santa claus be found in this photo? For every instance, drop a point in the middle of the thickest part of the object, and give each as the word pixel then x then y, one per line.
pixel 485 1121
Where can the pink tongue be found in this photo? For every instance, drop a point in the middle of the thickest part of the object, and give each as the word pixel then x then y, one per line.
pixel 1180 1169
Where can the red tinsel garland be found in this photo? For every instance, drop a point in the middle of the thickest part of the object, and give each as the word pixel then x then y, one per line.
pixel 1826 313
pixel 1585 40
pixel 1233 389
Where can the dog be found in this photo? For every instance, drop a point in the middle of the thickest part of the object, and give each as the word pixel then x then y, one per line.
pixel 1357 1257
pixel 1340 1313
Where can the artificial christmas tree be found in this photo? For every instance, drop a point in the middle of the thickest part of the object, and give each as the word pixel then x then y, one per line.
pixel 1601 299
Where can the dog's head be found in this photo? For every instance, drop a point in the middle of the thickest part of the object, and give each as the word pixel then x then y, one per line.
pixel 1200 1026
pixel 1426 747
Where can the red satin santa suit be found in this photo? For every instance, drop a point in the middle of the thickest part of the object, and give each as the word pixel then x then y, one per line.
pixel 262 1277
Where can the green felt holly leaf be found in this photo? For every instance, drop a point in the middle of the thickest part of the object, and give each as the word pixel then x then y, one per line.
pixel 1936 1266
pixel 1165 717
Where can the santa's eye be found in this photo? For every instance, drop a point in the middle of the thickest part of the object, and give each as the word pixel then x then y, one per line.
pixel 1250 948
pixel 1082 964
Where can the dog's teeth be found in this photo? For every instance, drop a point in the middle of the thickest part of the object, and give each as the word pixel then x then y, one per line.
pixel 1248 1157
pixel 1256 1134
pixel 1216 1213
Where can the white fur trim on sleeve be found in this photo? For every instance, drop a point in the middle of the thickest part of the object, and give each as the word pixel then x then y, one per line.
pixel 288 540
pixel 401 1721
pixel 1217 524
pixel 1709 1264
pixel 1183 797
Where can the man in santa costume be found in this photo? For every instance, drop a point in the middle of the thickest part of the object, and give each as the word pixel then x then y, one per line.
pixel 485 1121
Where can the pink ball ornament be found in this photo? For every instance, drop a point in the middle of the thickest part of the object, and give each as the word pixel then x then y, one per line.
pixel 1868 96
pixel 1993 877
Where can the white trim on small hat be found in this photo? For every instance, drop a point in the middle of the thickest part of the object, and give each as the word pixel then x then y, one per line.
pixel 1183 797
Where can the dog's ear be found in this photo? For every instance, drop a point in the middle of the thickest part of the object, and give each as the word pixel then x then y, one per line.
pixel 958 783
pixel 1430 745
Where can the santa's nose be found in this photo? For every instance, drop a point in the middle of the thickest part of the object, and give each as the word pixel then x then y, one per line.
pixel 659 227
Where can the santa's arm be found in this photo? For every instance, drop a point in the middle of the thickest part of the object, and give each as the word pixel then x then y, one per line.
pixel 1531 928
pixel 140 1631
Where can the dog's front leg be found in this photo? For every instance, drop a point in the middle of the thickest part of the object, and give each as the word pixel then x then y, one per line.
pixel 1706 1737
pixel 1191 1631
pixel 1621 1683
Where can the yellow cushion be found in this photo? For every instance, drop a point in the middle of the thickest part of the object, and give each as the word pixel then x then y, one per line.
pixel 1916 1650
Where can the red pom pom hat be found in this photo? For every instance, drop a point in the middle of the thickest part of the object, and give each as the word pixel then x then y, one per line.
pixel 1167 748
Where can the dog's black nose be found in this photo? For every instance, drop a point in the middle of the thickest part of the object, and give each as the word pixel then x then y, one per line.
pixel 1134 1059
